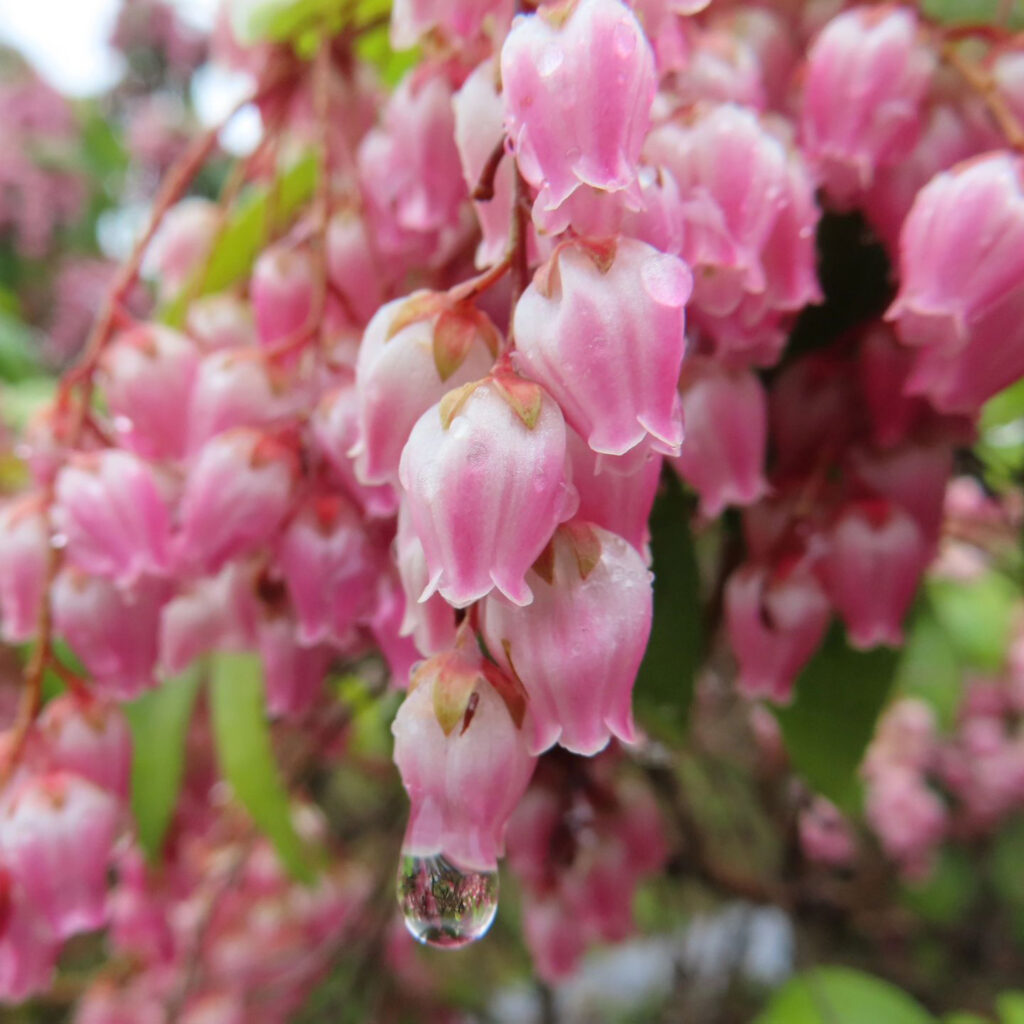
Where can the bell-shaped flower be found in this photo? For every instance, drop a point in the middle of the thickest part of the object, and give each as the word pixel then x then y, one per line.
pixel 24 547
pixel 602 328
pixel 577 647
pixel 281 290
pixel 456 20
pixel 484 473
pixel 28 947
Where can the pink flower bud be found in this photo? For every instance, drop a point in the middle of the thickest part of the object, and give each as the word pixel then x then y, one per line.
pixel 464 761
pixel 329 567
pixel 28 949
pixel 385 625
pixel 863 102
pixel 459 20
pixel 236 388
pixel 335 428
pixel 87 738
pixel 352 267
pixel 221 321
pixel 578 82
pixel 871 569
pixel 485 475
pixel 554 937
pixel 726 416
pixel 578 645
pixel 616 492
pixel 24 545
pixel 182 243
pixel 212 614
pixel 961 301
pixel 414 351
pixel 281 289
pixel 56 837
pixel 294 675
pixel 237 493
pixel 431 623
pixel 110 509
pixel 113 630
pixel 147 375
pixel 908 816
pixel 825 836
pixel 775 621
pixel 602 328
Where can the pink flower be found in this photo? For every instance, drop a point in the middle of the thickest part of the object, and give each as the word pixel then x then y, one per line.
pixel 294 674
pixel 871 569
pixel 113 515
pixel 825 836
pixel 28 948
pixel 56 837
pixel 602 328
pixel 577 647
pixel 237 493
pixel 221 321
pixel 863 100
pixel 352 267
pixel 961 298
pixel 578 82
pixel 147 375
pixel 24 544
pixel 182 244
pixel 726 416
pixel 484 472
pixel 463 759
pixel 461 20
pixel 908 816
pixel 281 289
pixel 775 620
pixel 414 351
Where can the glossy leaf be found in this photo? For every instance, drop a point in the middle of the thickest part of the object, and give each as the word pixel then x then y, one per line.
pixel 159 722
pixel 246 755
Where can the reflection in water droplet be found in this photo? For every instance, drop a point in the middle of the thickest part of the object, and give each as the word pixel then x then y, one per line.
pixel 443 906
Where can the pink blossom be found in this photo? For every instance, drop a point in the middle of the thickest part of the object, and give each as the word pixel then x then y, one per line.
pixel 294 674
pixel 460 20
pixel 28 947
pixel 281 290
pixel 352 265
pixel 183 242
pixel 24 542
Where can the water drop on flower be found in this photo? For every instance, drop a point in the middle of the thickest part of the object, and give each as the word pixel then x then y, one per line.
pixel 444 906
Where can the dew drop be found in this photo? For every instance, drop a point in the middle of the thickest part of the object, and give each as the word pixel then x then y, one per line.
pixel 443 906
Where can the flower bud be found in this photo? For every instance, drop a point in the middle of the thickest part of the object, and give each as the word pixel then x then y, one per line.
pixel 281 290
pixel 352 267
pixel 182 243
pixel 24 545
pixel 28 948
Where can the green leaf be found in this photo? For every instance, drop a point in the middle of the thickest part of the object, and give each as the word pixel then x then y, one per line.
pixel 246 755
pixel 972 11
pixel 665 683
pixel 280 21
pixel 832 717
pixel 159 722
pixel 1011 1007
pixel 965 1018
pixel 977 616
pixel 840 995
pixel 246 234
pixel 19 349
pixel 948 892
pixel 929 667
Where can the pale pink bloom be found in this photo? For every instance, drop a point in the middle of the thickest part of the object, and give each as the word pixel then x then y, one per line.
pixel 906 735
pixel 721 68
pixel 668 32
pixel 908 816
pixel 112 629
pixel 961 298
pixel 578 87
pixel 216 613
pixel 553 936
pixel 726 417
pixel 577 647
pixel 221 321
pixel 330 567
pixel 866 80
pixel 386 627
pixel 28 948
pixel 401 373
pixel 775 620
pixel 430 623
pixel 458 20
pixel 110 509
pixel 825 836
pixel 293 674
pixel 182 243
pixel 24 542
pixel 875 556
pixel 771 39
pixel 616 492
pixel 56 838
pixel 281 291
pixel 147 375
pixel 238 491
pixel 352 266
pixel 335 428
pixel 484 473
pixel 89 738
pixel 236 388
pixel 464 777
pixel 602 328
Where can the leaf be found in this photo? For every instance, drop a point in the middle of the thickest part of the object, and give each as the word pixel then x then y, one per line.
pixel 245 235
pixel 929 667
pixel 977 616
pixel 19 349
pixel 972 11
pixel 246 755
pixel 665 683
pixel 255 21
pixel 159 723
pixel 840 995
pixel 949 890
pixel 829 724
pixel 1011 1007
pixel 965 1018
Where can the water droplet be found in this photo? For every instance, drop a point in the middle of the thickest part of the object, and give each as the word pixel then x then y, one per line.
pixel 444 906
pixel 550 60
